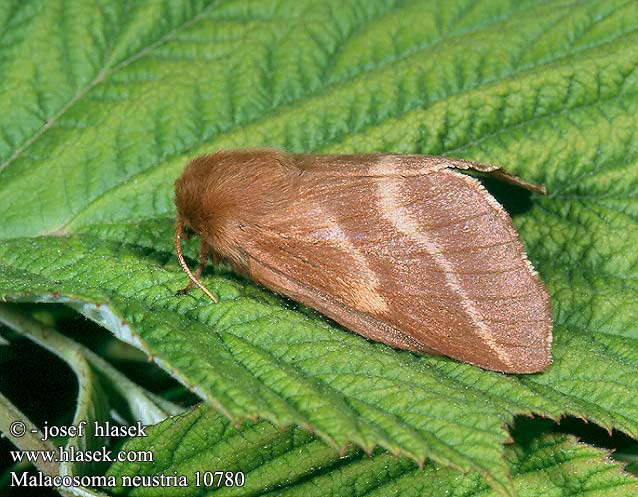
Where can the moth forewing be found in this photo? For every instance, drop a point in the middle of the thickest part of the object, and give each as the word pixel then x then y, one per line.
pixel 400 249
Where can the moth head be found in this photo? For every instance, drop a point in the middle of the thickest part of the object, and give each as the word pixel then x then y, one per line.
pixel 191 220
pixel 188 202
pixel 217 196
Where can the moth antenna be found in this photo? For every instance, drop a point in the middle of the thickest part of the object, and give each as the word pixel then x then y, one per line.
pixel 182 262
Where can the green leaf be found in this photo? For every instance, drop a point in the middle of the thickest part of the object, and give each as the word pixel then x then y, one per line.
pixel 92 404
pixel 30 439
pixel 95 376
pixel 293 462
pixel 106 103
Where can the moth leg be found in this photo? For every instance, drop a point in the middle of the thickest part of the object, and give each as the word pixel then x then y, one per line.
pixel 203 257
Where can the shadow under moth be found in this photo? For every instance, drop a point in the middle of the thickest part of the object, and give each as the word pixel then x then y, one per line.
pixel 402 249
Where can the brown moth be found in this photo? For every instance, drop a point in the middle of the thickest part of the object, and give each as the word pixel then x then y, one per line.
pixel 402 249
